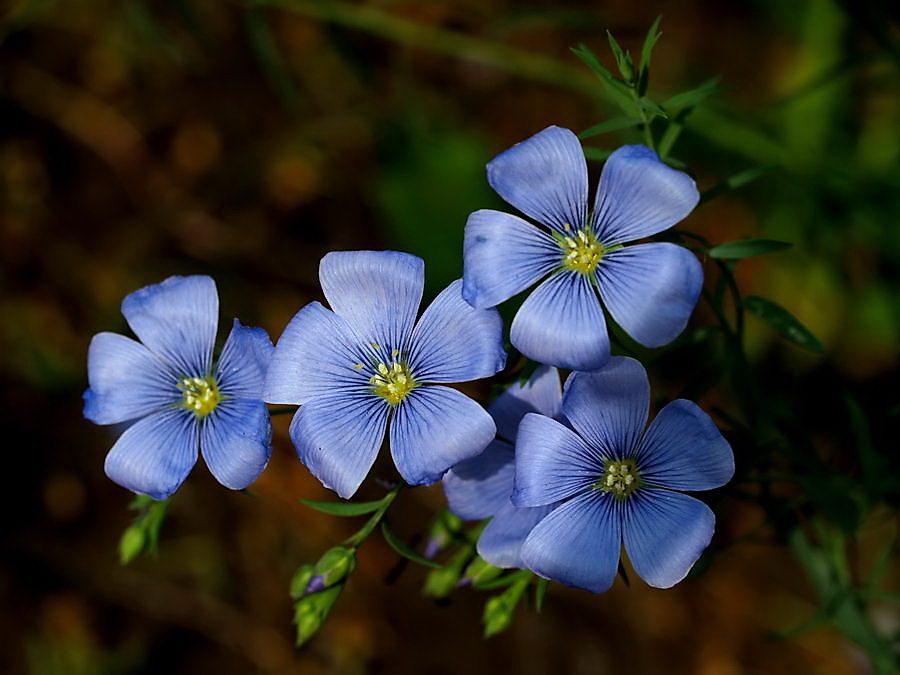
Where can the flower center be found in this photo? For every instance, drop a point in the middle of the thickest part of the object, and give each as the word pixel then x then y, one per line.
pixel 620 478
pixel 392 381
pixel 200 395
pixel 581 252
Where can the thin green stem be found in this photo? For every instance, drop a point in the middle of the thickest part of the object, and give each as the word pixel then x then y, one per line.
pixel 355 540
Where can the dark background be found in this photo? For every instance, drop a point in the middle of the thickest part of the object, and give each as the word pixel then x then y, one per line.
pixel 142 139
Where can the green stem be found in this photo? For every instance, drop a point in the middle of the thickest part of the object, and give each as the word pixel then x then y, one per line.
pixel 355 540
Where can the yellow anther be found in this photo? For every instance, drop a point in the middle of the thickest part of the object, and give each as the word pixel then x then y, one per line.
pixel 582 255
pixel 392 383
pixel 359 366
pixel 200 395
pixel 620 478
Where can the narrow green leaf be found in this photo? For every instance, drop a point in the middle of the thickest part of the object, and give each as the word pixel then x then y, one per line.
pixel 670 135
pixel 342 508
pixel 619 92
pixel 265 49
pixel 614 124
pixel 747 248
pixel 650 42
pixel 598 154
pixel 623 58
pixel 540 592
pixel 404 549
pixel 692 97
pixel 783 322
pixel 653 107
pixel 734 182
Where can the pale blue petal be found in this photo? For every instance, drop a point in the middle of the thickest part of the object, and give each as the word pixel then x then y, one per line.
pixel 545 177
pixel 665 532
pixel 500 543
pixel 552 462
pixel 435 428
pixel 376 292
pixel 176 319
pixel 640 196
pixel 338 436
pixel 541 394
pixel 479 487
pixel 609 407
pixel 502 255
pixel 126 380
pixel 454 342
pixel 561 324
pixel 650 290
pixel 578 544
pixel 317 354
pixel 236 441
pixel 684 450
pixel 155 454
pixel 242 367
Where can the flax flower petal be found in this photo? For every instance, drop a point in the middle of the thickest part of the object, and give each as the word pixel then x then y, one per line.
pixel 639 196
pixel 650 290
pixel 126 380
pixel 545 177
pixel 609 407
pixel 155 454
pixel 376 292
pixel 665 532
pixel 684 450
pixel 337 437
pixel 454 342
pixel 435 428
pixel 236 441
pixel 578 544
pixel 176 319
pixel 561 324
pixel 502 255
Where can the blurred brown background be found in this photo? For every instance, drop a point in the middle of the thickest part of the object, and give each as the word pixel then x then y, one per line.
pixel 147 138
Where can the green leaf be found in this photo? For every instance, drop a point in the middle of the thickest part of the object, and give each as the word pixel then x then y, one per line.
pixel 614 124
pixel 783 322
pixel 652 107
pixel 404 549
pixel 619 92
pixel 345 509
pixel 747 248
pixel 132 543
pixel 598 154
pixel 540 592
pixel 649 42
pixel 265 49
pixel 623 58
pixel 692 97
pixel 734 182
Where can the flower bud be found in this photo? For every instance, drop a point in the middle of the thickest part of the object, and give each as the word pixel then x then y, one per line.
pixel 445 526
pixel 480 571
pixel 335 565
pixel 311 611
pixel 300 581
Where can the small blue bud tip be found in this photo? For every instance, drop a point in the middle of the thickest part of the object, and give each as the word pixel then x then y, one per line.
pixel 316 584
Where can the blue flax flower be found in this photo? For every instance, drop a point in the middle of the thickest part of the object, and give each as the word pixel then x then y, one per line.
pixel 649 289
pixel 367 359
pixel 618 482
pixel 176 399
pixel 481 487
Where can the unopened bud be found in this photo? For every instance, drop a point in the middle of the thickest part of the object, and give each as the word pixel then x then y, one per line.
pixel 300 581
pixel 335 565
pixel 311 611
pixel 480 571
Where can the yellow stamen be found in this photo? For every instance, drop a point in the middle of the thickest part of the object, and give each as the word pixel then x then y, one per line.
pixel 392 382
pixel 620 478
pixel 200 395
pixel 582 255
